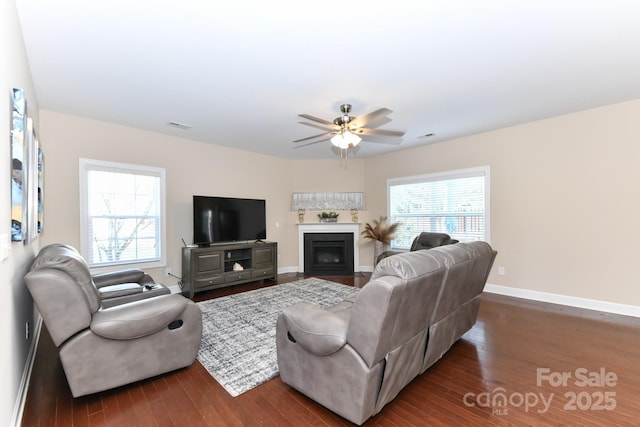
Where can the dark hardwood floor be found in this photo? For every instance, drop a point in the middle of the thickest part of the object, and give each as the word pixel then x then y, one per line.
pixel 507 370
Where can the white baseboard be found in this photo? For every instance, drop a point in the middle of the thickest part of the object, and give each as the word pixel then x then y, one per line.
pixel 295 269
pixel 283 270
pixel 21 398
pixel 589 304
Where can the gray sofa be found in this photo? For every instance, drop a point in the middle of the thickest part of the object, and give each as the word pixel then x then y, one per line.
pixel 139 336
pixel 355 357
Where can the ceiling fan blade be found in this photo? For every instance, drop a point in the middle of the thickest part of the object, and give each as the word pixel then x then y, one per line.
pixel 310 143
pixel 325 128
pixel 381 121
pixel 313 137
pixel 378 132
pixel 373 119
pixel 316 119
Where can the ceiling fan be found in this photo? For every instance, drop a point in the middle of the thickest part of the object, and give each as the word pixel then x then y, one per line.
pixel 347 130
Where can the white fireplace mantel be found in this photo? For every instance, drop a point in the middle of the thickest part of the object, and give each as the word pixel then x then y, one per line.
pixel 330 227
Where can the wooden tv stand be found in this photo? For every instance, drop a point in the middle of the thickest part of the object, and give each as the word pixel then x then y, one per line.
pixel 212 267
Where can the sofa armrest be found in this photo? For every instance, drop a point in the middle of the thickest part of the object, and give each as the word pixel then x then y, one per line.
pixel 119 290
pixel 317 330
pixel 132 275
pixel 139 318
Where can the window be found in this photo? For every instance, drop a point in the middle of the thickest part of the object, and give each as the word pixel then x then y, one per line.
pixel 456 203
pixel 122 214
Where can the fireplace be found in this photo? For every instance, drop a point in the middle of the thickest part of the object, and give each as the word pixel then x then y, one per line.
pixel 329 248
pixel 328 253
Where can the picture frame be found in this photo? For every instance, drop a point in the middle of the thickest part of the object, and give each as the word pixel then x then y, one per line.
pixel 31 182
pixel 18 166
pixel 40 190
pixel 27 173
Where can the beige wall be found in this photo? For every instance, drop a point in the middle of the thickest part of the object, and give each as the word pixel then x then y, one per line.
pixel 191 168
pixel 562 191
pixel 564 199
pixel 16 305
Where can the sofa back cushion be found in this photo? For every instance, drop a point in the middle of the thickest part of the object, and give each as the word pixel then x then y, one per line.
pixel 467 266
pixel 395 305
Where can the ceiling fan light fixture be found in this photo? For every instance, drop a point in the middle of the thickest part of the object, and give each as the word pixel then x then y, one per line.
pixel 345 130
pixel 345 140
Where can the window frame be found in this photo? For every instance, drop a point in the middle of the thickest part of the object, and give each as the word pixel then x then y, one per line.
pixel 484 171
pixel 86 165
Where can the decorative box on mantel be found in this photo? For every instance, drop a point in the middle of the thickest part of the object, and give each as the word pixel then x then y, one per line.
pixel 328 219
pixel 330 227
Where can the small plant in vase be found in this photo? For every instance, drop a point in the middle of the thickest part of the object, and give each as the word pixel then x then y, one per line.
pixel 382 233
pixel 328 216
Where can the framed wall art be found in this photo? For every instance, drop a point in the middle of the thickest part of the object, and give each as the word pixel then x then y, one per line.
pixel 40 219
pixel 18 166
pixel 30 184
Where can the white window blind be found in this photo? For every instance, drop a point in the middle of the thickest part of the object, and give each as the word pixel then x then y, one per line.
pixel 456 203
pixel 122 213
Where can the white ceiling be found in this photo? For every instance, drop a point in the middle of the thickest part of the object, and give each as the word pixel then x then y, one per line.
pixel 239 72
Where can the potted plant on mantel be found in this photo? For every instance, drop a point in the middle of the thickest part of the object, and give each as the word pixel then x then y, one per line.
pixel 381 233
pixel 328 216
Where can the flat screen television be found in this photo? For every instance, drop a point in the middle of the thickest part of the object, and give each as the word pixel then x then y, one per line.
pixel 228 219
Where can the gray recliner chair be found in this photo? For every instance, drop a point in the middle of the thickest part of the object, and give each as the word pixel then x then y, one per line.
pixel 102 347
pixel 425 240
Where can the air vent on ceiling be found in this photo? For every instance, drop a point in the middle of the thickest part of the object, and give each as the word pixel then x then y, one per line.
pixel 179 125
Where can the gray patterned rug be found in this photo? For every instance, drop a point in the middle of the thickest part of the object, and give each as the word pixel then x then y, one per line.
pixel 238 331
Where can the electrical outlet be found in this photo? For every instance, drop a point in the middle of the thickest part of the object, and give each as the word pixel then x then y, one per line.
pixel 501 271
pixel 167 271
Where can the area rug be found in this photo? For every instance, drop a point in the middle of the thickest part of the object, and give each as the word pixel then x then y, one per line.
pixel 239 331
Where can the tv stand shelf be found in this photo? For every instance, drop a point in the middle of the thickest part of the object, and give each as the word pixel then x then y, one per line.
pixel 216 266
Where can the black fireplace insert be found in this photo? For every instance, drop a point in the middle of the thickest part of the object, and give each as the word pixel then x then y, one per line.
pixel 328 253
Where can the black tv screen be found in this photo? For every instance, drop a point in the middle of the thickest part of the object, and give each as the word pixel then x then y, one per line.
pixel 228 219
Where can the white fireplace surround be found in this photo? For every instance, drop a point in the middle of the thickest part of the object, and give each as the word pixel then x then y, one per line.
pixel 330 227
